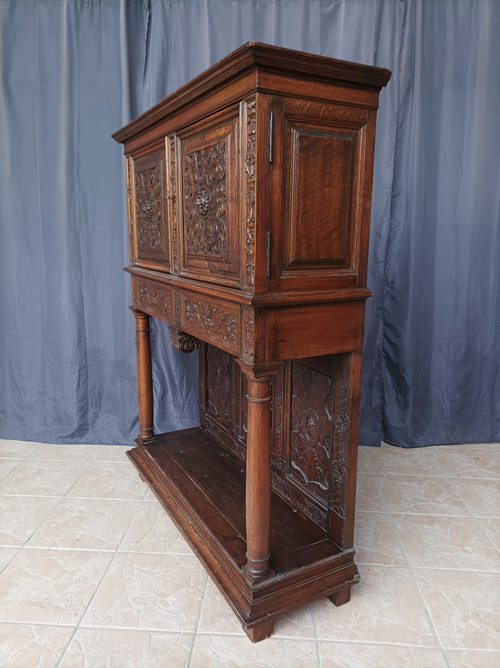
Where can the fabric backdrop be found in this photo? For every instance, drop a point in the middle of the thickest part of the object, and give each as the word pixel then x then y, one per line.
pixel 74 71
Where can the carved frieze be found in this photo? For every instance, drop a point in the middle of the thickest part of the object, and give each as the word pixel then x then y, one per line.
pixel 153 298
pixel 149 208
pixel 249 191
pixel 205 199
pixel 218 321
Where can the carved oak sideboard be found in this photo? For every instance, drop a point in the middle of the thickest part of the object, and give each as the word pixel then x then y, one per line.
pixel 249 203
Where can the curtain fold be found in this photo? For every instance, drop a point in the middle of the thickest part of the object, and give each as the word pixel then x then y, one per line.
pixel 74 72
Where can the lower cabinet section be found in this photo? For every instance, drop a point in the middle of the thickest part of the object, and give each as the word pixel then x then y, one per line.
pixel 202 486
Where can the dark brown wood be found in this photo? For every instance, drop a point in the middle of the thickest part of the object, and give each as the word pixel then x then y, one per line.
pixel 249 200
pixel 258 474
pixel 144 376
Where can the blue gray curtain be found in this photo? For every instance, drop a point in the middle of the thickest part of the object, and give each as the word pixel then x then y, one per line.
pixel 74 71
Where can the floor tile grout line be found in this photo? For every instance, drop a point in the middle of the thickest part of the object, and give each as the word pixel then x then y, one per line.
pixel 198 621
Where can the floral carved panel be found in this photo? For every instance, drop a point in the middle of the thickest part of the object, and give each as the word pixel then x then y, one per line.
pixel 311 428
pixel 149 208
pixel 205 200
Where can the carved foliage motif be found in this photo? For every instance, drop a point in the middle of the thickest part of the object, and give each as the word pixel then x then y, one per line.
pixel 148 208
pixel 173 200
pixel 248 334
pixel 219 383
pixel 155 299
pixel 311 427
pixel 205 200
pixel 342 422
pixel 222 325
pixel 249 180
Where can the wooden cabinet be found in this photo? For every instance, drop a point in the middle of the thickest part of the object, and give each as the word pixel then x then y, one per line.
pixel 249 203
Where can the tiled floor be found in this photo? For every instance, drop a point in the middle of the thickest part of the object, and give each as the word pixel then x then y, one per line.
pixel 94 574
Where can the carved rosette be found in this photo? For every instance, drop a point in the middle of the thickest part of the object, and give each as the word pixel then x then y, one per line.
pixel 249 190
pixel 342 423
pixel 148 208
pixel 311 428
pixel 205 198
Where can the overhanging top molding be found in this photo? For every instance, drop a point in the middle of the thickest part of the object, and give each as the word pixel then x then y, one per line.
pixel 257 57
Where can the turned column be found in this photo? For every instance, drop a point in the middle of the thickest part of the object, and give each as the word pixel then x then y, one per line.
pixel 144 375
pixel 258 475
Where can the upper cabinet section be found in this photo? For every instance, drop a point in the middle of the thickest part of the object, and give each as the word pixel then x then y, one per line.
pixel 208 199
pixel 254 179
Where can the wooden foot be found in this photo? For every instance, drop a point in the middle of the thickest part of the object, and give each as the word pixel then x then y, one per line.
pixel 260 631
pixel 342 596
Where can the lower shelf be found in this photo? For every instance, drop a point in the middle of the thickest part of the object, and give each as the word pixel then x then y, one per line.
pixel 202 487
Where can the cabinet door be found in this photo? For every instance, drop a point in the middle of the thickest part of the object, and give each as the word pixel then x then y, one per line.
pixel 148 220
pixel 207 156
pixel 318 190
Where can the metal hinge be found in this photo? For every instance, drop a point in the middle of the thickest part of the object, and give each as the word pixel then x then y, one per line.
pixel 271 137
pixel 268 255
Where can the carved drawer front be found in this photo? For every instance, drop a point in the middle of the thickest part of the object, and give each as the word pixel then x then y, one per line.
pixel 322 149
pixel 214 321
pixel 148 219
pixel 153 298
pixel 208 201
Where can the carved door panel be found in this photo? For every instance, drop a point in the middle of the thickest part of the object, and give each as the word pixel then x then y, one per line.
pixel 149 242
pixel 317 183
pixel 208 205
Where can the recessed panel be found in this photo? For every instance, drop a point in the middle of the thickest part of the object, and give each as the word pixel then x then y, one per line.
pixel 149 211
pixel 320 213
pixel 209 203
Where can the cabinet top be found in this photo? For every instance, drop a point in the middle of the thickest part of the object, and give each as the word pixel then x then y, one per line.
pixel 257 57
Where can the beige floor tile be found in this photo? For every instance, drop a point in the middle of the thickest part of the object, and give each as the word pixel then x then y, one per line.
pixel 476 461
pixel 8 465
pixel 385 607
pixel 17 449
pixel 420 495
pixel 43 478
pixel 368 497
pixel 86 524
pixel 113 453
pixel 149 591
pixel 214 651
pixel 216 615
pixel 355 655
pixel 491 527
pixel 23 646
pixel 153 531
pixel 95 648
pixel 70 453
pixel 50 586
pixel 472 659
pixel 427 461
pixel 464 606
pixel 481 496
pixel 300 623
pixel 6 556
pixel 446 542
pixel 376 541
pixel 108 480
pixel 364 463
pixel 20 516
